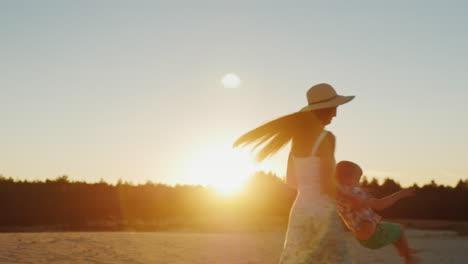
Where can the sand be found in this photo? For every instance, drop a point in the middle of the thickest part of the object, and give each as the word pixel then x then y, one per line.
pixel 192 247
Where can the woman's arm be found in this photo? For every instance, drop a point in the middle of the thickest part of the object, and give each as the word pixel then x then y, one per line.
pixel 326 152
pixel 329 183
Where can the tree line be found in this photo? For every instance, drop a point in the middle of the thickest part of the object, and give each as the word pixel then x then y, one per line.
pixel 77 205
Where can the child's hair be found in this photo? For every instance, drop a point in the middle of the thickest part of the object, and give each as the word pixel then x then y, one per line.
pixel 345 169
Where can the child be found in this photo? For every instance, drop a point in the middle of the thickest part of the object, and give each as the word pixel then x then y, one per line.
pixel 364 222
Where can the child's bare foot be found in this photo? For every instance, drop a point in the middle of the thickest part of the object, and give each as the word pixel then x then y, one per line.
pixel 412 260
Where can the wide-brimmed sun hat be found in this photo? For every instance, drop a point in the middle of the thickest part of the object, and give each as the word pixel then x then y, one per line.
pixel 322 96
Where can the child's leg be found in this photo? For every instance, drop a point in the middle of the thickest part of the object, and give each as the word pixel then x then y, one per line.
pixel 403 248
pixel 402 244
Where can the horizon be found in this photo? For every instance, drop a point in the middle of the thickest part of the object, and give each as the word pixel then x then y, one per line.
pixel 159 91
pixel 364 179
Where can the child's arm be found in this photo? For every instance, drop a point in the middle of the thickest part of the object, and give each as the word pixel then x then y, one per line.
pixel 387 201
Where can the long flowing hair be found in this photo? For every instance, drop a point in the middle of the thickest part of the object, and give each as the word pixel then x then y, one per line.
pixel 298 128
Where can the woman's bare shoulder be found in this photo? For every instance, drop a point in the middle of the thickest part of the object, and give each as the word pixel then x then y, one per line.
pixel 330 137
pixel 330 134
pixel 327 147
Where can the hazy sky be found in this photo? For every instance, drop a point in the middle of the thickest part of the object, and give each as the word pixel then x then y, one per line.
pixel 131 89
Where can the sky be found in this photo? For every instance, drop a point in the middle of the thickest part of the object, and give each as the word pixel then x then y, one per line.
pixel 131 89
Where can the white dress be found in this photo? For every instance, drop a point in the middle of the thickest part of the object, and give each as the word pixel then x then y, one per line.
pixel 315 233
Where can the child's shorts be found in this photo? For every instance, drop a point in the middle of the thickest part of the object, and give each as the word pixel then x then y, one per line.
pixel 385 234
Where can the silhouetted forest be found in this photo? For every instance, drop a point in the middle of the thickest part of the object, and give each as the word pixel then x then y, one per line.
pixel 80 205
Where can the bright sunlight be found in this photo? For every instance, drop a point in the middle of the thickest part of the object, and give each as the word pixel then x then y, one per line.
pixel 221 167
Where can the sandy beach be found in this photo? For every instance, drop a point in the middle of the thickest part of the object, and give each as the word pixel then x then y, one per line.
pixel 192 247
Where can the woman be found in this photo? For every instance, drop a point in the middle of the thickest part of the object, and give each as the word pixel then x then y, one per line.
pixel 315 233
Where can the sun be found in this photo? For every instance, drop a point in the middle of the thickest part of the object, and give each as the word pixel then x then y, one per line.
pixel 221 167
pixel 231 80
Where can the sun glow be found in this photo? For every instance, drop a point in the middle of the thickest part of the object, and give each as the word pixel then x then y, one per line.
pixel 220 167
pixel 231 80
